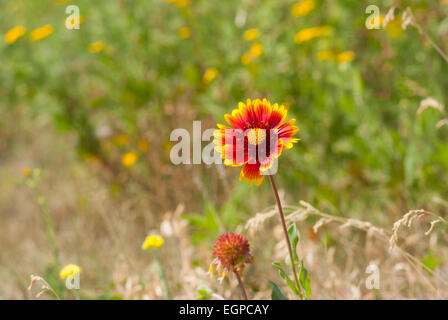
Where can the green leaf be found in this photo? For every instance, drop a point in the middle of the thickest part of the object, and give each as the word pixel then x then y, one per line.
pixel 431 261
pixel 304 280
pixel 204 293
pixel 294 240
pixel 51 275
pixel 276 293
pixel 410 165
pixel 285 277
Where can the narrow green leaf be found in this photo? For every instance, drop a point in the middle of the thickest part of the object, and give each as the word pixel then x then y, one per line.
pixel 285 277
pixel 294 240
pixel 276 293
pixel 304 280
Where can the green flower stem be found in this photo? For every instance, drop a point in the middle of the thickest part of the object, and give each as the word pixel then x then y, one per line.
pixel 285 230
pixel 49 225
pixel 76 294
pixel 162 276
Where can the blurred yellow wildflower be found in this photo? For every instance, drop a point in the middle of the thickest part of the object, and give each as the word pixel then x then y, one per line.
pixel 167 145
pixel 69 270
pixel 184 33
pixel 73 21
pixel 143 145
pixel 256 50
pixel 251 34
pixel 302 8
pixel 152 241
pixel 41 33
pixel 345 56
pixel 311 33
pixel 393 27
pixel 26 171
pixel 246 58
pixel 182 3
pixel 209 75
pixel 96 47
pixel 333 55
pixel 121 139
pixel 15 33
pixel 129 159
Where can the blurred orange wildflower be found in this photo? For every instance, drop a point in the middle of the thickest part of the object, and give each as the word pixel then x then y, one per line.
pixel 96 47
pixel 251 34
pixel 41 33
pixel 311 33
pixel 129 159
pixel 15 33
pixel 302 8
pixel 184 33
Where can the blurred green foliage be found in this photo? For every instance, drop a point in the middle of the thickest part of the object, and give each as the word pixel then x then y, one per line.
pixel 363 144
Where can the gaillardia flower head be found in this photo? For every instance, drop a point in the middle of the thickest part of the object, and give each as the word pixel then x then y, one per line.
pixel 232 252
pixel 257 135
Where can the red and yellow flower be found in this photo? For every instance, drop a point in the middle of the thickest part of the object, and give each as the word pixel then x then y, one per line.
pixel 257 135
pixel 232 253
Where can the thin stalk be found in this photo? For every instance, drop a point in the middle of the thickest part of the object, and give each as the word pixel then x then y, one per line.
pixel 76 294
pixel 162 277
pixel 49 225
pixel 426 36
pixel 285 230
pixel 240 282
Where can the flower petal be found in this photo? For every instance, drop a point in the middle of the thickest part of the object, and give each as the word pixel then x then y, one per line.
pixel 287 129
pixel 251 173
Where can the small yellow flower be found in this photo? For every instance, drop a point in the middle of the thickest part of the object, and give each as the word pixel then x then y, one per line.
pixel 346 56
pixel 41 33
pixel 69 270
pixel 26 171
pixel 302 8
pixel 152 241
pixel 15 33
pixel 311 33
pixel 167 145
pixel 256 50
pixel 73 20
pixel 184 33
pixel 182 3
pixel 143 145
pixel 209 75
pixel 121 139
pixel 129 159
pixel 251 34
pixel 393 27
pixel 246 59
pixel 96 47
